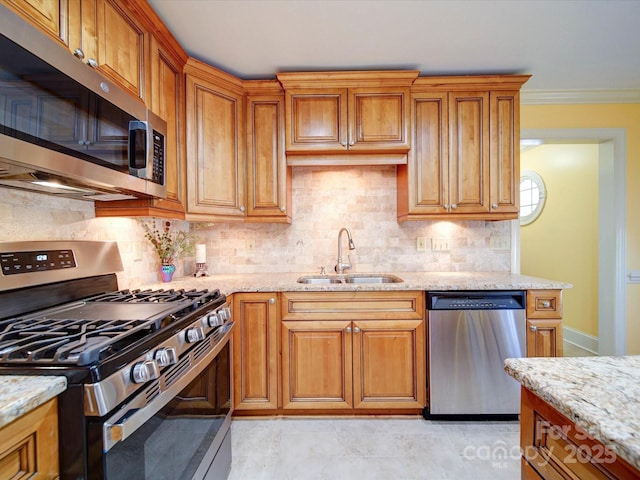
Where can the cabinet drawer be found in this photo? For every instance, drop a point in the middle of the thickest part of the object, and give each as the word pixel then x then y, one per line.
pixel 544 304
pixel 352 305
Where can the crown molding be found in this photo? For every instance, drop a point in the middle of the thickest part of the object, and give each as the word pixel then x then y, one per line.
pixel 555 97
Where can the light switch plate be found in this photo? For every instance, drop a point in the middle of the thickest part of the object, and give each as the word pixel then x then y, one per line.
pixel 499 243
pixel 421 244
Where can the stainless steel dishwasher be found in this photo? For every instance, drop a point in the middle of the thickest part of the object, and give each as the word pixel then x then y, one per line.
pixel 470 333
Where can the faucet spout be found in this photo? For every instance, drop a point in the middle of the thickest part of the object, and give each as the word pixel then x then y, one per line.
pixel 342 266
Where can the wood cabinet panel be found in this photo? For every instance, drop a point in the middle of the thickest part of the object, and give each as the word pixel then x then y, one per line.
pixel 544 304
pixel 268 177
pixel 555 448
pixel 29 444
pixel 316 365
pixel 215 145
pixel 505 151
pixel 256 355
pixel 388 363
pixel 544 338
pixel 47 15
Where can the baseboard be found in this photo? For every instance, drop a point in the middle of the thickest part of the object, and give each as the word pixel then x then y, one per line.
pixel 581 339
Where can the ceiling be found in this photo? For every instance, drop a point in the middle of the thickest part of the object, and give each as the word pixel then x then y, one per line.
pixel 564 44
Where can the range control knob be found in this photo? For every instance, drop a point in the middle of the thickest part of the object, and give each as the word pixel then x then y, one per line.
pixel 165 356
pixel 142 372
pixel 213 320
pixel 194 334
pixel 225 312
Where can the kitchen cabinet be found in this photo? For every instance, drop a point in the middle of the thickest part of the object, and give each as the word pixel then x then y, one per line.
pixel 167 100
pixel 256 356
pixel 340 112
pixel 268 176
pixel 29 444
pixel 353 351
pixel 464 161
pixel 555 448
pixel 49 16
pixel 544 323
pixel 215 144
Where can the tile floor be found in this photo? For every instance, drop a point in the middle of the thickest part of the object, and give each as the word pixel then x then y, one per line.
pixel 373 448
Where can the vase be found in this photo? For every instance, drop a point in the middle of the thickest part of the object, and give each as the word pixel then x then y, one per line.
pixel 167 270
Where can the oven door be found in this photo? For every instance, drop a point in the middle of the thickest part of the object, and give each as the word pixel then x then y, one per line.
pixel 175 436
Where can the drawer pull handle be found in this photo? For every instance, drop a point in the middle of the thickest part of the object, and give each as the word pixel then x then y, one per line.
pixel 533 328
pixel 545 304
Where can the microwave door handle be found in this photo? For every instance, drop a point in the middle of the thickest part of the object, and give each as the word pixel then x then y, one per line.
pixel 136 127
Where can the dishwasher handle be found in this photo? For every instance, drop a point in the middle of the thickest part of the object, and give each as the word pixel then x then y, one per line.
pixel 476 300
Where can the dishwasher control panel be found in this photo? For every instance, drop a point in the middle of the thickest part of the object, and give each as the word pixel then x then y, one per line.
pixel 477 300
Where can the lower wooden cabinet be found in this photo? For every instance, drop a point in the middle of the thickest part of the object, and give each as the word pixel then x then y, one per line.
pixel 553 447
pixel 353 350
pixel 544 323
pixel 256 356
pixel 29 445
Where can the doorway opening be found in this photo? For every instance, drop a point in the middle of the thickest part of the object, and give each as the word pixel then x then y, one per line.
pixel 611 143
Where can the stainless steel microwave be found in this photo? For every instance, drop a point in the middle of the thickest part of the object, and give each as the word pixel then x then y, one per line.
pixel 68 131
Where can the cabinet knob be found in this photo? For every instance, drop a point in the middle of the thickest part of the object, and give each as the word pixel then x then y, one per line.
pixel 348 329
pixel 283 209
pixel 272 300
pixel 494 205
pixel 453 206
pixel 446 205
pixel 344 144
pixel 545 304
pixel 356 330
pixel 92 63
pixel 242 209
pixel 78 53
pixel 533 328
pixel 352 143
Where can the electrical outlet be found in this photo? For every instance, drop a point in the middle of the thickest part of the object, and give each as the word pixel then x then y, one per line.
pixel 499 243
pixel 440 244
pixel 421 244
pixel 251 245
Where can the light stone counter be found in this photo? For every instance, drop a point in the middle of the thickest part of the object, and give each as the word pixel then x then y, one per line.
pixel 286 282
pixel 21 394
pixel 601 395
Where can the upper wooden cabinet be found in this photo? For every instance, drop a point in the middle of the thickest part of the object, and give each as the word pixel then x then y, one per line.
pixel 215 144
pixel 340 112
pixel 464 160
pixel 268 176
pixel 50 16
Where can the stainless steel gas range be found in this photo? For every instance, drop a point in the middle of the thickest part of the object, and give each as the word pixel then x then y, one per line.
pixel 148 372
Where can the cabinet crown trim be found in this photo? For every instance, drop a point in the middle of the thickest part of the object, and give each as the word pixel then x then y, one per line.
pixel 373 78
pixel 470 82
pixel 223 79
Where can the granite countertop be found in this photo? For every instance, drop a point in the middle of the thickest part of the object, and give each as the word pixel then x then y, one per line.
pixel 21 394
pixel 601 395
pixel 286 282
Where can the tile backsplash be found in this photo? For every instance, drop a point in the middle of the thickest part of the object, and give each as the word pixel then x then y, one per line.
pixel 325 199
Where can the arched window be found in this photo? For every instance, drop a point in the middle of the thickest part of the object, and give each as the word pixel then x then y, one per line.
pixel 532 196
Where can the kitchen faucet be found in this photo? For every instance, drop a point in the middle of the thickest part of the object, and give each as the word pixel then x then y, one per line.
pixel 341 267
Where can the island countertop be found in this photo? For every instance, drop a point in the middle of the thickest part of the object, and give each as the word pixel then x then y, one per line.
pixel 21 394
pixel 601 395
pixel 287 282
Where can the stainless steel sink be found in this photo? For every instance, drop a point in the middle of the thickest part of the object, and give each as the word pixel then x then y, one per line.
pixel 319 279
pixel 350 278
pixel 371 278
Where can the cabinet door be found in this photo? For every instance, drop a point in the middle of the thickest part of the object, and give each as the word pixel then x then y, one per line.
pixel 469 152
pixel 167 101
pixel 215 152
pixel 122 47
pixel 316 365
pixel 268 178
pixel 378 120
pixel 388 364
pixel 255 356
pixel 505 152
pixel 47 15
pixel 316 120
pixel 544 338
pixel 423 183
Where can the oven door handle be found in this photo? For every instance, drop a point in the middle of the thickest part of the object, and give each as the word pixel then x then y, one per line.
pixel 139 410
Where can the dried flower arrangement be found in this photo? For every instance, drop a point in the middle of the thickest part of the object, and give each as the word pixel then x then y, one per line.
pixel 169 245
